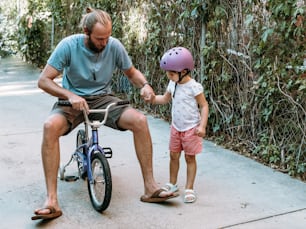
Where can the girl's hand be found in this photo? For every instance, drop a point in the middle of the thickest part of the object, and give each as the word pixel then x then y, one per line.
pixel 147 93
pixel 201 132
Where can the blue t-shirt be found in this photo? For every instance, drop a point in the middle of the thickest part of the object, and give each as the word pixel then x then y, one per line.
pixel 86 72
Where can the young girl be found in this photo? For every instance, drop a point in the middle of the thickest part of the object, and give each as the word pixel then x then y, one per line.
pixel 189 116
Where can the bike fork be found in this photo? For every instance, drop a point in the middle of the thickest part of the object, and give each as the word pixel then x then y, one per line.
pixel 89 168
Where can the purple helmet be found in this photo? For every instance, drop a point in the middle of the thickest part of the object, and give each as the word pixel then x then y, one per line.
pixel 177 59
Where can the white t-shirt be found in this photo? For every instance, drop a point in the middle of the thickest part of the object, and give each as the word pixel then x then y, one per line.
pixel 185 112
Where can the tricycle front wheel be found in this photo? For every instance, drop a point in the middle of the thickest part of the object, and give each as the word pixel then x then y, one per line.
pixel 100 188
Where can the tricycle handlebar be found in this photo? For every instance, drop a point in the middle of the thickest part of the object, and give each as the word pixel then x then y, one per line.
pixel 104 111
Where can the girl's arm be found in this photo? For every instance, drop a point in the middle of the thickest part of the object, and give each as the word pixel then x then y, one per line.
pixel 162 99
pixel 201 129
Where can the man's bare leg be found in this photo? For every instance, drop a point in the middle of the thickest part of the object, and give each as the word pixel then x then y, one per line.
pixel 137 123
pixel 54 127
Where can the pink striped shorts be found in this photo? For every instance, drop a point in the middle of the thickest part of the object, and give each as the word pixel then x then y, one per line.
pixel 186 140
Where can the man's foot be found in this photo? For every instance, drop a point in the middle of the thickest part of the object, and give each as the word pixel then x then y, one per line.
pixel 156 197
pixel 47 212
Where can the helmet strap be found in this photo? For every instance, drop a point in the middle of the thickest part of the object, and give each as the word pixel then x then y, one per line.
pixel 182 76
pixel 174 89
pixel 180 79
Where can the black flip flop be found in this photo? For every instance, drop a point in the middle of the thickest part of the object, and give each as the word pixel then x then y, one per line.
pixel 51 215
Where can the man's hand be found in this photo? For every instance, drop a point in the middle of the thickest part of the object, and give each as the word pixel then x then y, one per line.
pixel 78 103
pixel 147 93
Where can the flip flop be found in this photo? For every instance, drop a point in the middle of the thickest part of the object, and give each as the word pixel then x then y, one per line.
pixel 51 215
pixel 155 198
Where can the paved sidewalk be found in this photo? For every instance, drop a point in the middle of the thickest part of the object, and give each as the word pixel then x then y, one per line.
pixel 233 191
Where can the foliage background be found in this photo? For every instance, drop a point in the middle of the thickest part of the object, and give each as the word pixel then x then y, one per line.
pixel 248 56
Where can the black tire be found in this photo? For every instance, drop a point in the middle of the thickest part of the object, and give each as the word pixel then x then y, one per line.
pixel 100 191
pixel 80 140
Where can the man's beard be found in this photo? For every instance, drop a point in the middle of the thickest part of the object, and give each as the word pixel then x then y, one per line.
pixel 92 46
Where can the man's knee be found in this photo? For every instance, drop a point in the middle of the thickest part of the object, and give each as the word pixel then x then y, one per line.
pixel 142 120
pixel 140 123
pixel 133 120
pixel 55 126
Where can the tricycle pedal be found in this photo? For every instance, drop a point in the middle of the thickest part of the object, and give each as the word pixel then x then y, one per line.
pixel 107 152
pixel 71 178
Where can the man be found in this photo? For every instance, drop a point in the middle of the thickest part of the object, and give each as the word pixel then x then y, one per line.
pixel 87 62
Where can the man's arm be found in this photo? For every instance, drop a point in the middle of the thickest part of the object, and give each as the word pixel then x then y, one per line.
pixel 46 83
pixel 140 81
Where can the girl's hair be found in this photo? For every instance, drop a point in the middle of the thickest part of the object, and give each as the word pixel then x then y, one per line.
pixel 94 16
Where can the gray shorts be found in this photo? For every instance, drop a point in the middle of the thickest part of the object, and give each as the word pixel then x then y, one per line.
pixel 75 117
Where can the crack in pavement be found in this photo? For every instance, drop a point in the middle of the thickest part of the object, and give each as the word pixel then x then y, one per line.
pixel 264 218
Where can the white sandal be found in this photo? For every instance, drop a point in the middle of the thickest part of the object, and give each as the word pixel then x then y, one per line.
pixel 171 187
pixel 190 196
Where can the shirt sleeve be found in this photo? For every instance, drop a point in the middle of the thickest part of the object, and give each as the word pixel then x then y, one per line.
pixel 123 61
pixel 197 88
pixel 60 57
pixel 170 87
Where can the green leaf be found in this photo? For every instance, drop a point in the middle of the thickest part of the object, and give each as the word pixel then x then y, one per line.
pixel 248 20
pixel 302 87
pixel 194 13
pixel 266 34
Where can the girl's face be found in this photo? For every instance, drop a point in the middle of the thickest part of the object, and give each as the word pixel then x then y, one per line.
pixel 174 76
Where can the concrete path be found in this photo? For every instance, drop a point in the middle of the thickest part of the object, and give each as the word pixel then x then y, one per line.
pixel 233 191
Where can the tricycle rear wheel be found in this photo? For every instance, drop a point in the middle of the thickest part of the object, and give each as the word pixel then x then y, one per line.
pixel 81 140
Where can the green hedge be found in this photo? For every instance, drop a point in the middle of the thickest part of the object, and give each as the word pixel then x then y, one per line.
pixel 246 53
